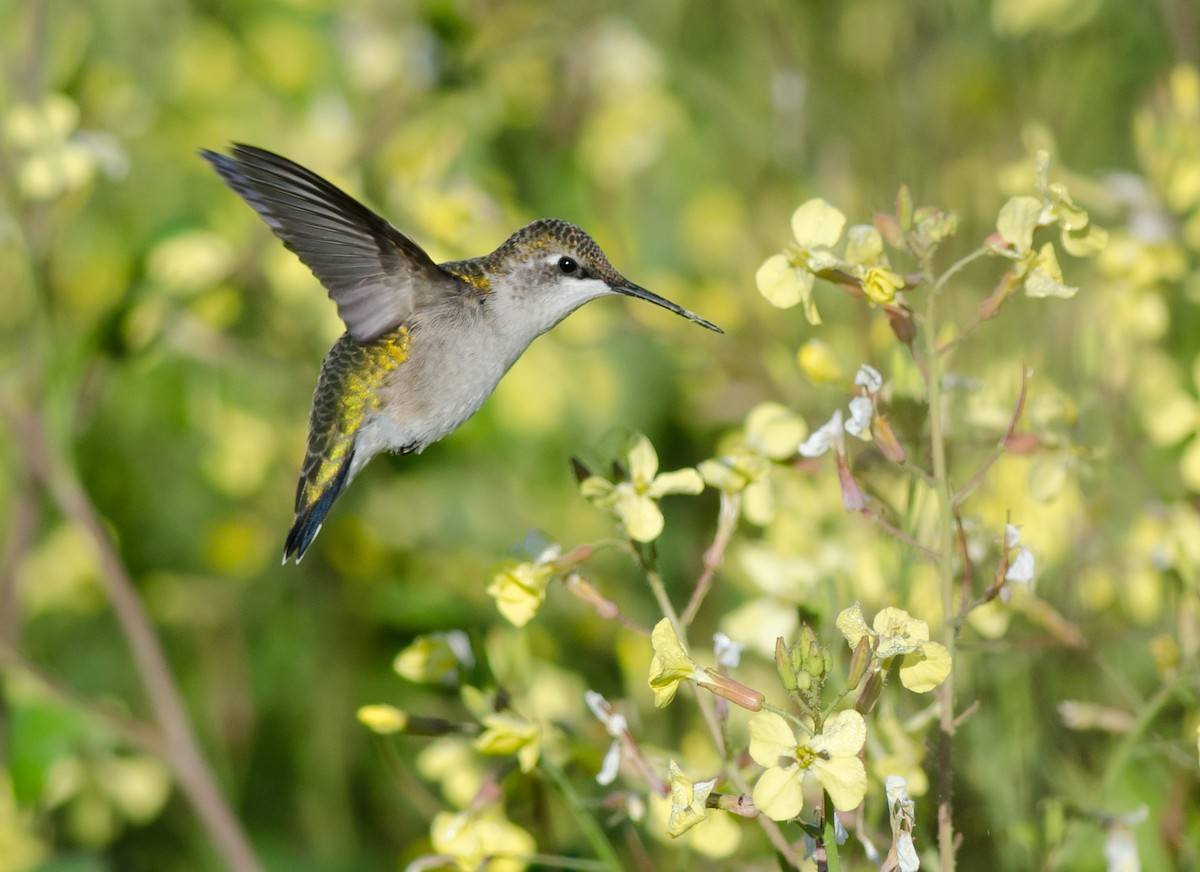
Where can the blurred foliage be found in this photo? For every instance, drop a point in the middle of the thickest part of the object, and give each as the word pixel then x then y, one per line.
pixel 173 346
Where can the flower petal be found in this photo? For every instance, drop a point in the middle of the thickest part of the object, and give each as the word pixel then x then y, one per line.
pixel 774 430
pixel 923 670
pixel 643 461
pixel 852 624
pixel 1017 220
pixel 779 793
pixel 861 410
pixel 780 282
pixel 640 516
pixel 681 481
pixel 843 735
pixel 771 739
pixel 816 223
pixel 844 779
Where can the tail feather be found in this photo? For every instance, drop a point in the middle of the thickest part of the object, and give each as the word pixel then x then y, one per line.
pixel 310 513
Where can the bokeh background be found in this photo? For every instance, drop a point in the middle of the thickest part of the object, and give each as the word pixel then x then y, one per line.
pixel 172 345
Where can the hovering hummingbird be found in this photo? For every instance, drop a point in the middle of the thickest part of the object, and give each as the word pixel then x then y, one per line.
pixel 425 343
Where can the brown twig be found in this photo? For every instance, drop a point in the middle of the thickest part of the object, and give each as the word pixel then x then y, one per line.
pixel 714 556
pixel 180 749
pixel 977 479
pixel 128 729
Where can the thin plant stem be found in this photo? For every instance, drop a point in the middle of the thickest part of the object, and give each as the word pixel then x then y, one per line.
pixel 181 750
pixel 945 551
pixel 833 862
pixel 592 831
pixel 727 519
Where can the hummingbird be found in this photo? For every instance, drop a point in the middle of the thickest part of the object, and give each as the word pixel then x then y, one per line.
pixel 425 343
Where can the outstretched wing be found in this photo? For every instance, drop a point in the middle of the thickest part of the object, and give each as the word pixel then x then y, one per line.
pixel 375 274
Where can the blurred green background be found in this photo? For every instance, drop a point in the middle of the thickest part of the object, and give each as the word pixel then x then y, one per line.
pixel 173 345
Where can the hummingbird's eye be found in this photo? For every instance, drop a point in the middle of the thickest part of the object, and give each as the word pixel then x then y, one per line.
pixel 568 266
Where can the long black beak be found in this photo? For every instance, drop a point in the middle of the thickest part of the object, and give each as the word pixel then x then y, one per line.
pixel 632 290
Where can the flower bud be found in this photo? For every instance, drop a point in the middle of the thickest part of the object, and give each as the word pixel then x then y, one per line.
pixel 889 228
pixel 871 689
pixel 859 661
pixel 783 664
pixel 901 321
pixel 885 438
pixel 734 691
pixel 852 497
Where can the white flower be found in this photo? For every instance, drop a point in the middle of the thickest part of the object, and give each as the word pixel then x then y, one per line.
pixel 727 651
pixel 869 378
pixel 1020 571
pixel 616 726
pixel 828 435
pixel 861 412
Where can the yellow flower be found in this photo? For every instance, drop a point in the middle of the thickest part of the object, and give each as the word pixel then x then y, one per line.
pixel 508 734
pixel 787 279
pixel 670 665
pixel 433 658
pixel 880 284
pixel 687 801
pixel 482 840
pixel 831 756
pixel 895 633
pixel 772 432
pixel 636 501
pixel 520 590
pixel 818 362
pixel 382 719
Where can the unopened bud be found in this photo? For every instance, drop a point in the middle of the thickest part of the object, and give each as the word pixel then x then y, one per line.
pixel 885 438
pixel 859 661
pixel 902 323
pixel 869 695
pixel 734 691
pixel 889 228
pixel 783 664
pixel 852 497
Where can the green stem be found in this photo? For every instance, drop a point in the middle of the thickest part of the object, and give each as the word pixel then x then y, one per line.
pixel 592 830
pixel 833 862
pixel 945 554
pixel 1147 712
pixel 950 272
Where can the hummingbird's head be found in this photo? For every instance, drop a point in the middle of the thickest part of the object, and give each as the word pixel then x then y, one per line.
pixel 552 268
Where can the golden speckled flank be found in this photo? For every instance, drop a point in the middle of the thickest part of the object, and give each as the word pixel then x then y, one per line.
pixel 470 272
pixel 347 389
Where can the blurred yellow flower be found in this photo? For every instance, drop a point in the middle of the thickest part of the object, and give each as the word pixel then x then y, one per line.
pixel 818 362
pixel 895 633
pixel 382 719
pixel 636 501
pixel 508 734
pixel 482 840
pixel 455 767
pixel 787 279
pixel 831 756
pixel 687 801
pixel 880 284
pixel 434 658
pixel 772 432
pixel 520 590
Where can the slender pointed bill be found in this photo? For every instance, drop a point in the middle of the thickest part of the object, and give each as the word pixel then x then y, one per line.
pixel 632 290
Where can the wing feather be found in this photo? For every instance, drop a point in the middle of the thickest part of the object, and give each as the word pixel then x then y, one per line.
pixel 375 274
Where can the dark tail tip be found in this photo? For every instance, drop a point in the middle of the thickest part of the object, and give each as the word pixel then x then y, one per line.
pixel 309 519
